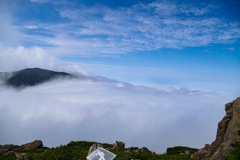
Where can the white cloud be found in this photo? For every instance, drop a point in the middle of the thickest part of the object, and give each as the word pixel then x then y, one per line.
pixel 107 32
pixel 14 59
pixel 102 110
pixel 31 27
pixel 21 58
pixel 40 1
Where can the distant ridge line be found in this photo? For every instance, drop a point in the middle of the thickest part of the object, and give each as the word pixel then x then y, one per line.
pixel 32 76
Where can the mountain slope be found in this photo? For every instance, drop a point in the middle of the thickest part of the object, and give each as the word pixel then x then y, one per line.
pixel 33 76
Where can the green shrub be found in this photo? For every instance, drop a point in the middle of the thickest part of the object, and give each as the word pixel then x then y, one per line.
pixel 7 157
pixel 180 149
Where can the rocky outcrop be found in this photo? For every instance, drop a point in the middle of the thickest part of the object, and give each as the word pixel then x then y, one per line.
pixel 226 133
pixel 94 147
pixel 222 127
pixel 231 135
pixel 32 145
pixel 119 144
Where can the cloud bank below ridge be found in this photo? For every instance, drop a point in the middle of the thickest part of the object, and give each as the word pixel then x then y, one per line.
pixel 103 110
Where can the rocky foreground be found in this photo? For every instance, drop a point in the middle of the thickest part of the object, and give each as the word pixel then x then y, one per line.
pixel 227 133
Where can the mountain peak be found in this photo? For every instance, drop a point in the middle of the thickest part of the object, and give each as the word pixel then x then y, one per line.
pixel 34 76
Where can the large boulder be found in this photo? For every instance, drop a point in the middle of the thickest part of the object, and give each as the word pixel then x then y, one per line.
pixel 32 145
pixel 226 134
pixel 119 144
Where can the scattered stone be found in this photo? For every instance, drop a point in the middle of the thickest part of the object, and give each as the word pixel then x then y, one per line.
pixel 187 152
pixel 119 144
pixel 94 147
pixel 132 148
pixel 4 150
pixel 32 145
pixel 136 149
pixel 17 149
pixel 9 152
pixel 181 153
pixel 127 151
pixel 21 156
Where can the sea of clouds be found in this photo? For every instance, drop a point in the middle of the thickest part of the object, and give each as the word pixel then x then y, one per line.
pixel 102 110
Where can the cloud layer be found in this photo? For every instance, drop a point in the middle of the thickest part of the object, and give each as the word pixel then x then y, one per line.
pixel 103 110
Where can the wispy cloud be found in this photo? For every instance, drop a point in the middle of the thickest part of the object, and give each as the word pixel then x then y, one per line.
pixel 40 1
pixel 31 27
pixel 100 30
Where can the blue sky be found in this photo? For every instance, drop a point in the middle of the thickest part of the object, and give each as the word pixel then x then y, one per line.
pixel 197 43
pixel 179 59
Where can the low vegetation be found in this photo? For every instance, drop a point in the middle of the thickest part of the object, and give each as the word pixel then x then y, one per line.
pixel 79 150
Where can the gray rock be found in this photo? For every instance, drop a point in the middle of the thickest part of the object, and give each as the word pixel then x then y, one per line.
pixel 32 145
pixel 132 148
pixel 127 151
pixel 144 149
pixel 230 136
pixel 17 149
pixel 119 144
pixel 21 156
pixel 5 150
pixel 9 152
